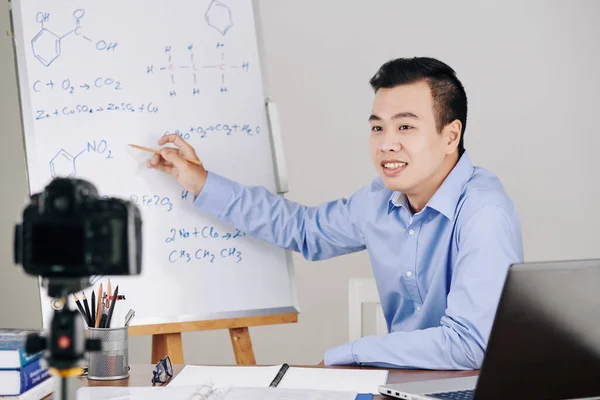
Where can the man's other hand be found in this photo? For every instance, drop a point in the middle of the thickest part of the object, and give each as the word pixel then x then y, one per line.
pixel 173 161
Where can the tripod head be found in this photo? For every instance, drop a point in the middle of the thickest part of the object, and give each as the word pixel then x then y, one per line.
pixel 65 344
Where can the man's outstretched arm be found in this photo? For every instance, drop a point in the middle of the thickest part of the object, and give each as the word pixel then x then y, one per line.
pixel 321 232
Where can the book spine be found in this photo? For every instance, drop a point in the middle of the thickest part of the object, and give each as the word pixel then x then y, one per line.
pixel 32 375
pixel 12 343
pixel 27 358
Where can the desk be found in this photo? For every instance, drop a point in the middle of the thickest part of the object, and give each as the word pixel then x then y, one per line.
pixel 140 375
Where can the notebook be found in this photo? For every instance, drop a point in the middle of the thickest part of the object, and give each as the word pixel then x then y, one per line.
pixel 199 392
pixel 353 380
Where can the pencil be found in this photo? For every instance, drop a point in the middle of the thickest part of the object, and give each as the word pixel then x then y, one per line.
pixel 81 310
pixel 98 311
pixel 93 308
pixel 112 307
pixel 158 152
pixel 87 309
pixel 109 292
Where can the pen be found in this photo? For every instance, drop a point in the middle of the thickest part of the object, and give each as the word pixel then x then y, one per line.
pixel 103 321
pixel 279 375
pixel 129 317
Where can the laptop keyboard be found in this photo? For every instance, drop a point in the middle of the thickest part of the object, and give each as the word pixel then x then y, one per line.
pixel 458 395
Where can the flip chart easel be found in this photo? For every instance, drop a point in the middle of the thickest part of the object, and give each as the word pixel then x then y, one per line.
pixel 166 338
pixel 119 86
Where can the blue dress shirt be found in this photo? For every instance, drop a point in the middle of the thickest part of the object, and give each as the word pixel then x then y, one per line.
pixel 439 272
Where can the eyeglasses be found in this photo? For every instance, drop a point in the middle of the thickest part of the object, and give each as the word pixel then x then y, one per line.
pixel 163 371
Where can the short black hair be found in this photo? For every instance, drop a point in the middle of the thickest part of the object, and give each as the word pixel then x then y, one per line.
pixel 449 96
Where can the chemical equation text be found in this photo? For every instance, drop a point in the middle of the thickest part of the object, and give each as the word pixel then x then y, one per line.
pixel 204 131
pixel 85 109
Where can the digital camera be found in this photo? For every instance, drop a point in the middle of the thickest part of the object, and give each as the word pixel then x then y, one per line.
pixel 69 231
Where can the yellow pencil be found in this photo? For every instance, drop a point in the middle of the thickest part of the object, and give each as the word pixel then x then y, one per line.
pixel 109 291
pixel 158 152
pixel 99 302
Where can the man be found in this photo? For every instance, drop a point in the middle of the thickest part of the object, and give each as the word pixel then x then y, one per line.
pixel 440 233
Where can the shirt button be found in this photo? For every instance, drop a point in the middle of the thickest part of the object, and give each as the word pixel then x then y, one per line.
pixel 418 308
pixel 409 274
pixel 411 232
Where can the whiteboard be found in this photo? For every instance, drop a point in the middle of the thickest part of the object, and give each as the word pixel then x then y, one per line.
pixel 97 76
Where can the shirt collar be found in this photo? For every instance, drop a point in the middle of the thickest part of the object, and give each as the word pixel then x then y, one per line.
pixel 446 197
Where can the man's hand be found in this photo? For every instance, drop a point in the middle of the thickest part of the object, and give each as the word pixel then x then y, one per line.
pixel 190 176
pixel 321 364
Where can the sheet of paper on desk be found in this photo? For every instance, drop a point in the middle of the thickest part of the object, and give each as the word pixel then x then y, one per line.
pixel 197 393
pixel 354 380
pixel 138 393
pixel 237 393
pixel 225 376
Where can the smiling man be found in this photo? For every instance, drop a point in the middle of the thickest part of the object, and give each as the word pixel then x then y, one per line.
pixel 441 233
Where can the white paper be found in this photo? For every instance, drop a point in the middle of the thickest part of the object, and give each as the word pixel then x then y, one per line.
pixel 353 380
pixel 285 394
pixel 142 393
pixel 204 393
pixel 226 376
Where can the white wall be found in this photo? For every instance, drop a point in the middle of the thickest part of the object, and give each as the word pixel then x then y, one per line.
pixel 531 74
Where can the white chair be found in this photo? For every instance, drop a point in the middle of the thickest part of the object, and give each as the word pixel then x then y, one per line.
pixel 363 291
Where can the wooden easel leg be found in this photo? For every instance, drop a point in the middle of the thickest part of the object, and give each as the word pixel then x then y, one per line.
pixel 167 344
pixel 242 346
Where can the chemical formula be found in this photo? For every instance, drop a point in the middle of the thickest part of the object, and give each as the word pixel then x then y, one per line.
pixel 47 45
pixel 63 164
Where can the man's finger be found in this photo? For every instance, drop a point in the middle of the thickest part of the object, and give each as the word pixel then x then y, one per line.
pixel 172 156
pixel 168 168
pixel 187 150
pixel 155 160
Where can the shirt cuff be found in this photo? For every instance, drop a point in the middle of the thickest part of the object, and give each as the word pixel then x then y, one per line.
pixel 215 196
pixel 341 355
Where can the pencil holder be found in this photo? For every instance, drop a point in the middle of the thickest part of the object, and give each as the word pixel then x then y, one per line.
pixel 112 362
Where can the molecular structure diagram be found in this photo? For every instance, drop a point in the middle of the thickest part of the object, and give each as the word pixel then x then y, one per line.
pixel 222 67
pixel 218 16
pixel 63 163
pixel 47 45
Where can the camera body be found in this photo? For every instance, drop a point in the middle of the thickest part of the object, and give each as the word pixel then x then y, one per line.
pixel 69 231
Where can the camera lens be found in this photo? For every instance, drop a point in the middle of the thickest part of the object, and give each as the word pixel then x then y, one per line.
pixel 61 203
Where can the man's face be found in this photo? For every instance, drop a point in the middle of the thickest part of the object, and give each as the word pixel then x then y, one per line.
pixel 405 145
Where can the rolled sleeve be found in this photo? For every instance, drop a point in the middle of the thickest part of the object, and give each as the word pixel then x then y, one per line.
pixel 216 195
pixel 341 355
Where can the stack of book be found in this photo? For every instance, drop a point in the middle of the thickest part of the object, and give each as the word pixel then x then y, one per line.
pixel 22 375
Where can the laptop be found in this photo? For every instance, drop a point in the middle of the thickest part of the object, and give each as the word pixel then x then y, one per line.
pixel 544 343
